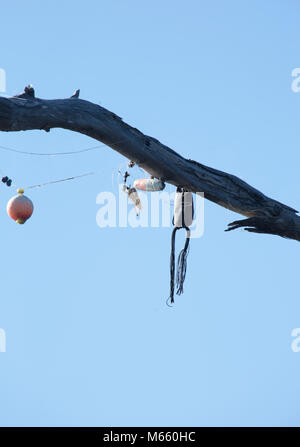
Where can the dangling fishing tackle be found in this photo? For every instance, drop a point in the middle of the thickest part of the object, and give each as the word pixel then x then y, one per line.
pixel 183 218
pixel 6 180
pixel 149 184
pixel 132 194
pixel 20 207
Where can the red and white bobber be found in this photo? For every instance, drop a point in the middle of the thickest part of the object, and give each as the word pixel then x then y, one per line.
pixel 20 207
pixel 149 184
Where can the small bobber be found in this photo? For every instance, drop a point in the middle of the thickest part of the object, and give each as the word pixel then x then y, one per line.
pixel 20 207
pixel 183 218
pixel 149 184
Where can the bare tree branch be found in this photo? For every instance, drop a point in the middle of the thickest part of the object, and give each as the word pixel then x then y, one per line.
pixel 264 215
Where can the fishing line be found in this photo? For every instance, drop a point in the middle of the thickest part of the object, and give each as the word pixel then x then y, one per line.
pixel 51 154
pixel 9 149
pixel 74 177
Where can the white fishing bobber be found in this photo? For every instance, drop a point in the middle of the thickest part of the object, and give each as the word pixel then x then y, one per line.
pixel 183 209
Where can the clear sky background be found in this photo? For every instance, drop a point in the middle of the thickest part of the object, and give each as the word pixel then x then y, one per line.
pixel 90 340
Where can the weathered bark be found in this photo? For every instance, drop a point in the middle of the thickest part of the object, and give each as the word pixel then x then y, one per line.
pixel 264 215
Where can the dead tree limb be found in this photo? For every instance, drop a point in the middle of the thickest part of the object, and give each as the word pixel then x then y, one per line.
pixel 264 215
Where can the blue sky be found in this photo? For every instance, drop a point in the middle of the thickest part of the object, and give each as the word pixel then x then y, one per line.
pixel 90 340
